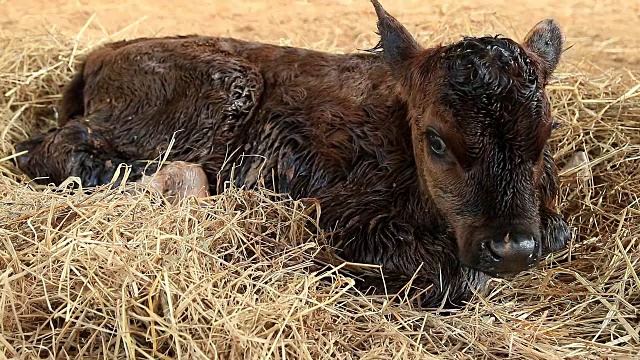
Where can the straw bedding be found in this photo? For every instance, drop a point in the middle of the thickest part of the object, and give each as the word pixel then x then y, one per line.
pixel 124 274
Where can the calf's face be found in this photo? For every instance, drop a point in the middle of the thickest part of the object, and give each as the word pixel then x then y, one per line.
pixel 480 122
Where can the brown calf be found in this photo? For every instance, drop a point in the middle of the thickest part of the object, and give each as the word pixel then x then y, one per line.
pixel 431 161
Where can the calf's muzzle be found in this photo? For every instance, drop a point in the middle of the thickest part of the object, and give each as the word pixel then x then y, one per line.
pixel 508 254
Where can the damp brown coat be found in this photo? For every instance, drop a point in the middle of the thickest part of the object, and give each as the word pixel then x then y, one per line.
pixel 430 162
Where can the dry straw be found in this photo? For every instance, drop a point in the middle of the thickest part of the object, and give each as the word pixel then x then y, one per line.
pixel 111 274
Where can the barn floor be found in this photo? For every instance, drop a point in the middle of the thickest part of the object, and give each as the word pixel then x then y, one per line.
pixel 121 275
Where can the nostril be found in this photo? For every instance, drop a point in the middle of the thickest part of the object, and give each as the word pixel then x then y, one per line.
pixel 488 246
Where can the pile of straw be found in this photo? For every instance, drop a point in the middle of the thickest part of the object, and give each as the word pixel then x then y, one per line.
pixel 115 274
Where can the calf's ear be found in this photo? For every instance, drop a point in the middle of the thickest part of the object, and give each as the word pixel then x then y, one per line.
pixel 546 40
pixel 396 43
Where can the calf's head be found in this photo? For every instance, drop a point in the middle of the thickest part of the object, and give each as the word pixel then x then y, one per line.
pixel 480 121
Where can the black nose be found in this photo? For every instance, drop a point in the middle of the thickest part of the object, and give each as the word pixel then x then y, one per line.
pixel 510 254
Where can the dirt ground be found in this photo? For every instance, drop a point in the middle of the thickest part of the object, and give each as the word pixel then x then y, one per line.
pixel 601 31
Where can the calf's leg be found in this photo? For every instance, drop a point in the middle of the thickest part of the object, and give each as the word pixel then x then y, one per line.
pixel 415 261
pixel 76 149
pixel 554 227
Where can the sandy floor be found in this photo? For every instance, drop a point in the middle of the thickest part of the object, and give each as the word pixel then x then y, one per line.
pixel 600 29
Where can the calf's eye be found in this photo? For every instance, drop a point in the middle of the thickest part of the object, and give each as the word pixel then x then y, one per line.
pixel 436 143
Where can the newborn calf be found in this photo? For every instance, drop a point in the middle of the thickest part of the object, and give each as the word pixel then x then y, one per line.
pixel 430 162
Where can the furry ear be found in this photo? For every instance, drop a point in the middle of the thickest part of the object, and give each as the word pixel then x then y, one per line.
pixel 396 43
pixel 546 40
